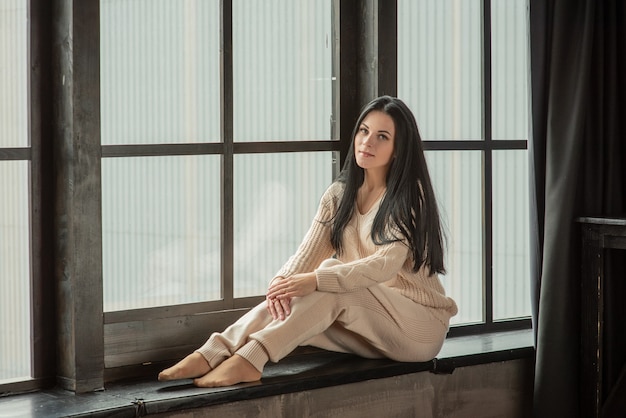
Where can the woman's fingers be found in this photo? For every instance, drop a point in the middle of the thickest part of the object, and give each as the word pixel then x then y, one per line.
pixel 293 286
pixel 286 306
pixel 271 308
pixel 278 291
pixel 279 308
pixel 279 288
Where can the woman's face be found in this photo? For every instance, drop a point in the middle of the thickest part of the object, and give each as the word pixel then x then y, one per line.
pixel 374 141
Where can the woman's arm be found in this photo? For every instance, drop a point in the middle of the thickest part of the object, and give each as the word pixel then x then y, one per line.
pixel 377 268
pixel 316 245
pixel 296 277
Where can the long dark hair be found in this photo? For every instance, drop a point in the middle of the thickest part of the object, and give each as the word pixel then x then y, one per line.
pixel 409 206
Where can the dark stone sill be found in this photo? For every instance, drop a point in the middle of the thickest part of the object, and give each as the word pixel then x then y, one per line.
pixel 304 370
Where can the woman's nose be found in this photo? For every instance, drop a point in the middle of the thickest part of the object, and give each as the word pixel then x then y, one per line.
pixel 367 140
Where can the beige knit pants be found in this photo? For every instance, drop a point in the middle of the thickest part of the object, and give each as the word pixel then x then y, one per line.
pixel 374 322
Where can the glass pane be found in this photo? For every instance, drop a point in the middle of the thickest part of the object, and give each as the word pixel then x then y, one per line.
pixel 13 74
pixel 159 71
pixel 457 180
pixel 509 69
pixel 161 231
pixel 439 65
pixel 14 271
pixel 283 78
pixel 276 198
pixel 511 262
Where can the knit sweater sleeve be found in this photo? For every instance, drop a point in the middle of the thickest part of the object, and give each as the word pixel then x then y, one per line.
pixel 379 267
pixel 316 245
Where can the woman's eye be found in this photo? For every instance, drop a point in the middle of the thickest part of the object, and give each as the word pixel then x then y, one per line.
pixel 363 130
pixel 383 137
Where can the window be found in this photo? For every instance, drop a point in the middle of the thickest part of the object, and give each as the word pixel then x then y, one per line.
pixel 221 122
pixel 15 271
pixel 462 68
pixel 217 146
pixel 160 214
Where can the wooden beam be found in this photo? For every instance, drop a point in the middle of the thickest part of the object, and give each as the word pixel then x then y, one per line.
pixel 378 51
pixel 78 229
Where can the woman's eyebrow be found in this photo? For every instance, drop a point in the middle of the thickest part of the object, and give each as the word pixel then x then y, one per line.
pixel 380 131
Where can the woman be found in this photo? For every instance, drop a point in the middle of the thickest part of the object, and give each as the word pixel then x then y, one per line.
pixel 364 279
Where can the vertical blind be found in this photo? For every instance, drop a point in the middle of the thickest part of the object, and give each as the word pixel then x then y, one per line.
pixel 160 81
pixel 14 195
pixel 440 76
pixel 282 63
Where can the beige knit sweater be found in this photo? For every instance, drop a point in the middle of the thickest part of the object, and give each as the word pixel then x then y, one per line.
pixel 364 263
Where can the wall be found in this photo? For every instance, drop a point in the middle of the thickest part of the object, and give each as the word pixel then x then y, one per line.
pixel 501 389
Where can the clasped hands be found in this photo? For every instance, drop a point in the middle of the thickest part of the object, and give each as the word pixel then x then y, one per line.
pixel 283 289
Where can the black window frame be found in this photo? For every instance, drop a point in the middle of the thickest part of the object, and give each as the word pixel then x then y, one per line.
pixel 365 31
pixel 487 145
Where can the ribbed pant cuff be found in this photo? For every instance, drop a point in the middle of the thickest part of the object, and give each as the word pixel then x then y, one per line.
pixel 213 353
pixel 255 353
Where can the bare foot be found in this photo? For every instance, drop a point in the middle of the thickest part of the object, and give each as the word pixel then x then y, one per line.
pixel 231 371
pixel 194 365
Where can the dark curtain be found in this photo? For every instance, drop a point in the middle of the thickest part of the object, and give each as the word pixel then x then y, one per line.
pixel 577 166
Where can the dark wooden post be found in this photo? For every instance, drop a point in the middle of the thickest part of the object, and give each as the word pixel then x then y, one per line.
pixel 78 229
pixel 378 53
pixel 368 60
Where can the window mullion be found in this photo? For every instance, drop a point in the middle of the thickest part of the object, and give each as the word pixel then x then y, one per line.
pixel 226 133
pixel 488 163
pixel 42 244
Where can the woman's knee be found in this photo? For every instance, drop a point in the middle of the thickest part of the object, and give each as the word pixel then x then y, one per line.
pixel 330 262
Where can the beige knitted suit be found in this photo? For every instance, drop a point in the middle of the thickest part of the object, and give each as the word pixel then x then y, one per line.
pixel 368 301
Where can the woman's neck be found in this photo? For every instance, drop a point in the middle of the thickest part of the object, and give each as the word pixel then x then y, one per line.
pixel 368 194
pixel 373 181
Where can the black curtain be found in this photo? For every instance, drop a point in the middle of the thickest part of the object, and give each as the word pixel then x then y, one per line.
pixel 577 168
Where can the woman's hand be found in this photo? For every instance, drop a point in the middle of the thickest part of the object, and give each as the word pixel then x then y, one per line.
pixel 297 285
pixel 282 290
pixel 278 308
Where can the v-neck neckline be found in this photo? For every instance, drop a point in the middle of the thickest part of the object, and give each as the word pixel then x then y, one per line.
pixel 374 205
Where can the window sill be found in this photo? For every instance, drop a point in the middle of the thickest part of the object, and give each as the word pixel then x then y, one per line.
pixel 304 370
